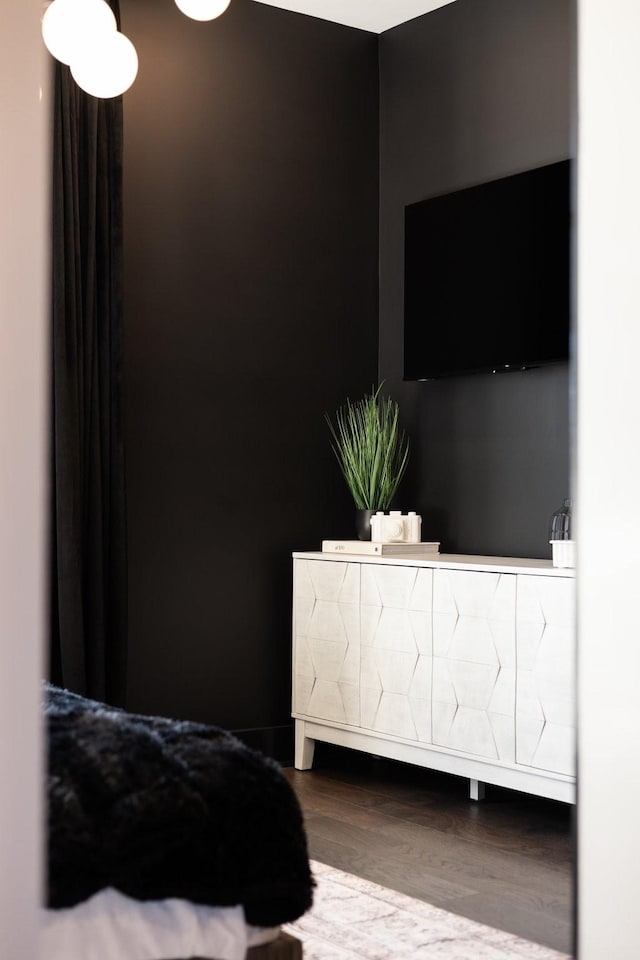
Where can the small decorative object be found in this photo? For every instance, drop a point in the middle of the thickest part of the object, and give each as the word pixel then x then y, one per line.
pixel 562 546
pixel 372 452
pixel 396 528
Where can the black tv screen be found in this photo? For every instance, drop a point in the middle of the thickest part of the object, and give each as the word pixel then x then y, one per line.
pixel 487 276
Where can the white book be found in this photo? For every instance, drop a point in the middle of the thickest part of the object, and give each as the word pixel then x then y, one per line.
pixel 374 548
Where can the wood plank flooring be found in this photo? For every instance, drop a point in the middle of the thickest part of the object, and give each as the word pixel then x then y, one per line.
pixel 506 861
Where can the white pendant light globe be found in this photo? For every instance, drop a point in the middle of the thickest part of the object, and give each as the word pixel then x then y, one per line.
pixel 68 25
pixel 107 67
pixel 202 9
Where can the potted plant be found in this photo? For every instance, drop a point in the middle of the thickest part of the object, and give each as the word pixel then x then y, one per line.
pixel 372 452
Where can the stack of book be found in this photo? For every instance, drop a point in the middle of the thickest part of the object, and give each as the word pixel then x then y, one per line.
pixel 373 548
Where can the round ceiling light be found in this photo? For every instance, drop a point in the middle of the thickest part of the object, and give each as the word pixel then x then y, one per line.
pixel 69 25
pixel 202 9
pixel 107 67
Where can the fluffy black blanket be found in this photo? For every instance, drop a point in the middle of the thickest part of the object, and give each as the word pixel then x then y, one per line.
pixel 159 808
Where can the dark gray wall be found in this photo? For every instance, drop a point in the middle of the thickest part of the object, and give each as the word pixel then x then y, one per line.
pixel 473 91
pixel 251 187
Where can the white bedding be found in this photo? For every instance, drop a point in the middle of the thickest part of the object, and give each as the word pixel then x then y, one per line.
pixel 111 926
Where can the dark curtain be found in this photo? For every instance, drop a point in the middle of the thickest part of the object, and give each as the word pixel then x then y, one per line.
pixel 88 533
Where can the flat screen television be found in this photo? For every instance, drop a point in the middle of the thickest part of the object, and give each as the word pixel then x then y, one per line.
pixel 487 276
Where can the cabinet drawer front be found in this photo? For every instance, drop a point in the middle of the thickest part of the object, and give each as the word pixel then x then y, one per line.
pixel 473 690
pixel 545 713
pixel 396 647
pixel 326 631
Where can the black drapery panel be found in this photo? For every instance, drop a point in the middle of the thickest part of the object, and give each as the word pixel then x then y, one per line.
pixel 88 586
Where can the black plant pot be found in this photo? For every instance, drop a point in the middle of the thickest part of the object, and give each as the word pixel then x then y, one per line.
pixel 363 524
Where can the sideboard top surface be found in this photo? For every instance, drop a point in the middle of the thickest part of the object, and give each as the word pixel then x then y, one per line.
pixel 449 561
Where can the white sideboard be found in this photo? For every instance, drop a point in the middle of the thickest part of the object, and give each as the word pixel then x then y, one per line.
pixel 462 664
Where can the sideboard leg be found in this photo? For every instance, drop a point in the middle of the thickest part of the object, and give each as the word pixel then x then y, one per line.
pixel 305 748
pixel 476 790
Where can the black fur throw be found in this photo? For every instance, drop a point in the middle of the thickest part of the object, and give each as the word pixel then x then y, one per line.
pixel 159 808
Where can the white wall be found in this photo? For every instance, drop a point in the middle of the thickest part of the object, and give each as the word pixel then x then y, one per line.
pixel 608 481
pixel 24 173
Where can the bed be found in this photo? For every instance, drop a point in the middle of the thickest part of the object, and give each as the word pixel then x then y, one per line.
pixel 168 840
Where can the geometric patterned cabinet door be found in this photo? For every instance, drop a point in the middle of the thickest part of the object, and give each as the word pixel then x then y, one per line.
pixel 545 724
pixel 326 629
pixel 474 662
pixel 396 649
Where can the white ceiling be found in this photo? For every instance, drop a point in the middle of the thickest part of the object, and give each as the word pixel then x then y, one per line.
pixel 373 15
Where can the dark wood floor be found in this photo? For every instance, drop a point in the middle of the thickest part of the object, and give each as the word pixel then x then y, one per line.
pixel 506 861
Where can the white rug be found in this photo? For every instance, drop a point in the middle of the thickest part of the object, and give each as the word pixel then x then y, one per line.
pixel 353 919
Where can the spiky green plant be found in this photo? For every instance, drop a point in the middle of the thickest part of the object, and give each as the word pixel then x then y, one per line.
pixel 371 449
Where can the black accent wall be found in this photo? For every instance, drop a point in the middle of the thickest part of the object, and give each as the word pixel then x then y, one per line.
pixel 471 92
pixel 251 259
pixel 258 178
